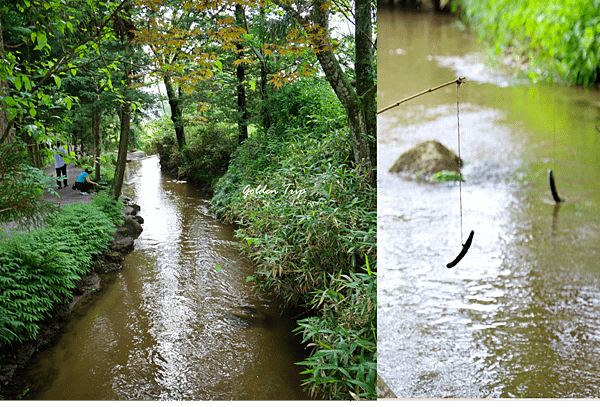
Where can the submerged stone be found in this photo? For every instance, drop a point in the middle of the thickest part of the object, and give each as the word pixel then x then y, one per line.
pixel 425 160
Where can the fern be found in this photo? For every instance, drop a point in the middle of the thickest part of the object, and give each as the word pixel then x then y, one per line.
pixel 38 269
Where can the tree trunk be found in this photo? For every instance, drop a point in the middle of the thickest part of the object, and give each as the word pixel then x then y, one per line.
pixel 241 91
pixel 264 78
pixel 343 89
pixel 365 72
pixel 176 112
pixel 96 137
pixel 6 130
pixel 123 137
pixel 34 152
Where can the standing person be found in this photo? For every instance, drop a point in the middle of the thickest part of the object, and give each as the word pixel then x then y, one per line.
pixel 59 164
pixel 84 184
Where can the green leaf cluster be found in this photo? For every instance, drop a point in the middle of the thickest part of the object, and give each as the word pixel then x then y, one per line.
pixel 345 336
pixel 21 187
pixel 558 40
pixel 38 269
pixel 445 175
pixel 205 156
pixel 309 105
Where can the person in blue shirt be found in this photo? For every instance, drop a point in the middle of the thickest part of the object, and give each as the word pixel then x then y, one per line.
pixel 83 183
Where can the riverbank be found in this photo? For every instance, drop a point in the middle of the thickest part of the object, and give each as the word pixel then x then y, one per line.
pixel 307 217
pixel 14 359
pixel 554 42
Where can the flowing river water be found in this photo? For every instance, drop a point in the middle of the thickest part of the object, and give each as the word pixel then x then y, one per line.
pixel 519 316
pixel 172 325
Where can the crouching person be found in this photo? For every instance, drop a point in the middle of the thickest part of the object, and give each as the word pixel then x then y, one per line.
pixel 84 184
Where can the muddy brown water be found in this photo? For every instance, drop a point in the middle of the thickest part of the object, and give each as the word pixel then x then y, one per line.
pixel 172 325
pixel 519 316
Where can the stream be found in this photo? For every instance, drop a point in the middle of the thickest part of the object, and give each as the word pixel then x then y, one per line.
pixel 172 324
pixel 519 316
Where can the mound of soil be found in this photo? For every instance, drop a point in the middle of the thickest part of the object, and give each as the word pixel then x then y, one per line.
pixel 426 159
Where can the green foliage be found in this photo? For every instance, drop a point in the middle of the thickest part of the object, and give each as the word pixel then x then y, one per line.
pixel 445 175
pixel 208 152
pixel 39 268
pixel 153 132
pixel 308 219
pixel 343 366
pixel 205 156
pixel 41 42
pixel 106 203
pixel 320 218
pixel 21 187
pixel 560 41
pixel 310 105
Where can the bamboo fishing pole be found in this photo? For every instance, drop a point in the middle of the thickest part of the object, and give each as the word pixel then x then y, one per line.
pixel 458 80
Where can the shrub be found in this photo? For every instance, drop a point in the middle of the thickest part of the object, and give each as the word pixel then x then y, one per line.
pixel 38 269
pixel 308 105
pixel 311 247
pixel 560 40
pixel 207 153
pixel 21 187
pixel 330 227
pixel 344 364
pixel 105 202
pixel 205 157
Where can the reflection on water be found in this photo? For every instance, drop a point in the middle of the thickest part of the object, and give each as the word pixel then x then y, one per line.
pixel 519 316
pixel 170 326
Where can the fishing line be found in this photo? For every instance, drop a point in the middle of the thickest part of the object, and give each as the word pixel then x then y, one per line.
pixel 458 83
pixel 467 245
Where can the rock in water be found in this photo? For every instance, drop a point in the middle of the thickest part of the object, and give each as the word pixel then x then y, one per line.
pixel 427 159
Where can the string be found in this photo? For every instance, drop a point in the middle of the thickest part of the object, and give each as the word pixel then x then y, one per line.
pixel 554 117
pixel 458 83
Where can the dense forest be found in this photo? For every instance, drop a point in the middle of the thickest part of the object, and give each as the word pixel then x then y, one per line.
pixel 232 96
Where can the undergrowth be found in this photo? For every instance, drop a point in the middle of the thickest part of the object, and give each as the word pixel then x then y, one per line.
pixel 204 158
pixel 557 40
pixel 38 269
pixel 308 220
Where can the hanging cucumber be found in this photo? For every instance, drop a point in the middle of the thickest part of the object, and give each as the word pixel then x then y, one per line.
pixel 464 251
pixel 553 187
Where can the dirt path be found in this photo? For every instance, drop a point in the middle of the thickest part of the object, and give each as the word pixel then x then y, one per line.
pixel 67 195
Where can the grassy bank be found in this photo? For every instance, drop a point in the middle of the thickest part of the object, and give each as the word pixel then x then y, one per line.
pixel 309 221
pixel 556 41
pixel 38 269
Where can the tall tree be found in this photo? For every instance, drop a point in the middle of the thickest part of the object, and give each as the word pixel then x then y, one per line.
pixel 366 75
pixel 41 43
pixel 172 31
pixel 241 75
pixel 316 25
pixel 311 34
pixel 4 93
pixel 29 67
pixel 126 31
pixel 174 97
